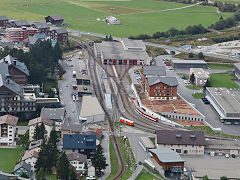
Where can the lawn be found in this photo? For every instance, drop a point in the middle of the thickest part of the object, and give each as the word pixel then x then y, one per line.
pixel 146 176
pixel 198 95
pixel 136 16
pixel 220 66
pixel 223 80
pixel 114 161
pixel 52 176
pixel 9 157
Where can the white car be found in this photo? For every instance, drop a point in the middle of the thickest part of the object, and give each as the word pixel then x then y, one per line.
pixel 227 155
pixel 186 82
pixel 169 68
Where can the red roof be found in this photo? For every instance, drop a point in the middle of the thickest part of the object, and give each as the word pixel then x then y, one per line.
pixel 40 120
pixel 98 131
pixel 9 119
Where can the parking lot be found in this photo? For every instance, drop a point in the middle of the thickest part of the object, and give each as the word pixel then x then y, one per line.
pixel 215 167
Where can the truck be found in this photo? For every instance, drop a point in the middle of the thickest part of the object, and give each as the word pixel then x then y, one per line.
pixel 74 74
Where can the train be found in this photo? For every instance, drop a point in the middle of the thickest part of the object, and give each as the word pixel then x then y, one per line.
pixel 143 113
pixel 126 121
pixel 150 165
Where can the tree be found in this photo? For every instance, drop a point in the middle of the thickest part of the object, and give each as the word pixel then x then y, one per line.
pixel 99 160
pixel 110 38
pixel 72 174
pixel 207 84
pixel 200 55
pixel 41 175
pixel 52 145
pixel 36 133
pixel 24 140
pixel 223 178
pixel 192 78
pixel 190 55
pixel 63 167
pixel 42 131
pixel 205 177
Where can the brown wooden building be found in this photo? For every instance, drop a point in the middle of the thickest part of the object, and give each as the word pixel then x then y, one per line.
pixel 161 88
pixel 42 27
pixel 18 23
pixel 59 35
pixel 54 20
pixel 3 21
pixel 168 159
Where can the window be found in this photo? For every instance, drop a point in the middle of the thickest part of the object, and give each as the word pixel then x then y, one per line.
pixel 185 151
pixel 178 150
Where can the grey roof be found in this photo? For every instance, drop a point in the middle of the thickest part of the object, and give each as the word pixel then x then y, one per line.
pixel 71 127
pixel 167 155
pixel 188 62
pixel 228 100
pixel 154 70
pixel 133 44
pixel 21 23
pixel 114 50
pixel 79 141
pixel 41 25
pixel 32 40
pixel 24 165
pixel 237 65
pixel 2 18
pixel 20 66
pixel 35 144
pixel 147 142
pixel 91 107
pixel 53 113
pixel 75 156
pixel 4 68
pixel 170 81
pixel 12 86
pixel 56 17
pixel 40 36
pixel 61 31
pixel 179 137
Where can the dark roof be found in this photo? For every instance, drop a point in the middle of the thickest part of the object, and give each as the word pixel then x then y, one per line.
pixel 40 36
pixel 170 81
pixel 2 18
pixel 56 17
pixel 35 144
pixel 98 137
pixel 71 127
pixel 11 85
pixel 24 165
pixel 154 70
pixel 9 119
pixel 41 25
pixel 32 40
pixel 178 137
pixel 61 31
pixel 237 65
pixel 53 113
pixel 79 141
pixel 21 23
pixel 75 156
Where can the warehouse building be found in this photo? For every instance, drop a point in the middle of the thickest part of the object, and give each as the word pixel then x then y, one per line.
pixel 189 64
pixel 125 52
pixel 226 103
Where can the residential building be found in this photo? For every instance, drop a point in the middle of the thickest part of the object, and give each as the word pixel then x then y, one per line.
pixel 200 75
pixel 55 20
pixel 153 71
pixel 112 20
pixel 236 67
pixel 21 168
pixel 38 121
pixel 59 35
pixel 42 27
pixel 81 143
pixel 125 52
pixel 183 142
pixel 168 159
pixel 8 130
pixel 226 102
pixel 18 71
pixel 57 115
pixel 35 145
pixel 18 23
pixel 70 129
pixel 186 64
pixel 31 31
pixel 79 161
pixel 16 34
pixel 30 157
pixel 3 21
pixel 161 88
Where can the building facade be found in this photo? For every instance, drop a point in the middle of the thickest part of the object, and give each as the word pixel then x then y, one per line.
pixel 200 75
pixel 186 64
pixel 183 142
pixel 21 168
pixel 16 34
pixel 30 157
pixel 8 130
pixel 42 27
pixel 3 21
pixel 161 88
pixel 59 35
pixel 79 161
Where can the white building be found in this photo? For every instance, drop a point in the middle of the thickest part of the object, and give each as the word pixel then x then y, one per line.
pixel 38 121
pixel 78 160
pixel 200 75
pixel 30 157
pixel 112 20
pixel 8 130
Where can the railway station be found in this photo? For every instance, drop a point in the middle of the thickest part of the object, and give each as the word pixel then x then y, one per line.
pixel 125 52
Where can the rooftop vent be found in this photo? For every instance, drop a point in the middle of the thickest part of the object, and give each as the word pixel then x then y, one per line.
pixel 178 136
pixel 192 136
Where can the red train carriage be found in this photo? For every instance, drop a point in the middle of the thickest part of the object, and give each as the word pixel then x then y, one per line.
pixel 126 121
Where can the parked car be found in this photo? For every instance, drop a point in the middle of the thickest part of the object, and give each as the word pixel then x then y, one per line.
pixel 227 155
pixel 228 122
pixel 186 82
pixel 183 76
pixel 204 99
pixel 170 68
pixel 233 156
pixel 236 122
pixel 206 102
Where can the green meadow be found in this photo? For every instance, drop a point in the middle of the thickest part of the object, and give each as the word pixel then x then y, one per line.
pixel 136 16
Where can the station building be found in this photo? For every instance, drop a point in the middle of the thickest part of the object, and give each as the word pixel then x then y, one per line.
pixel 125 52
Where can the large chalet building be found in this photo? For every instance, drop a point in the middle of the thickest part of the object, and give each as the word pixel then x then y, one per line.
pixel 59 35
pixel 8 130
pixel 42 27
pixel 56 20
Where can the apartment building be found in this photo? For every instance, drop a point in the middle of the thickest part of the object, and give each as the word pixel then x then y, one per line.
pixel 8 131
pixel 16 34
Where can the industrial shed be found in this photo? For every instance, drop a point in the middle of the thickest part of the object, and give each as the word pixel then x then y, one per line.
pixel 189 64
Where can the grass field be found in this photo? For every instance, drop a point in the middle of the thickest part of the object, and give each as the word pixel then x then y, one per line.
pixel 136 16
pixel 222 80
pixel 220 66
pixel 8 158
pixel 146 176
pixel 198 95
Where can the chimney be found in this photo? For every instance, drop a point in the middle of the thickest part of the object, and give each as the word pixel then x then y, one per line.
pixel 8 81
pixel 179 136
pixel 5 60
pixel 192 136
pixel 14 62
